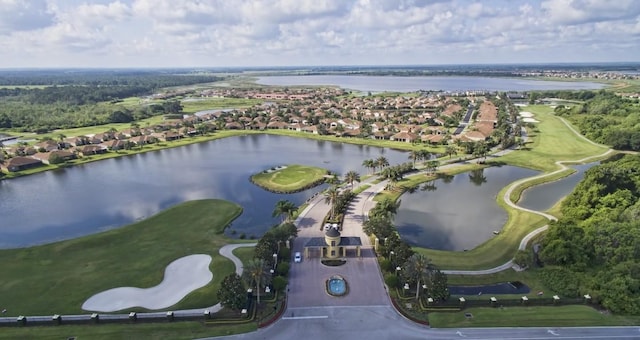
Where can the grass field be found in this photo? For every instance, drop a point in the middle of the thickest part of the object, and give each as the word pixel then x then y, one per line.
pixel 59 277
pixel 292 178
pixel 552 142
pixel 159 331
pixel 557 316
pixel 193 106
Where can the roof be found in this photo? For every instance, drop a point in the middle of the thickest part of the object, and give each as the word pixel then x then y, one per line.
pixel 332 232
pixel 344 241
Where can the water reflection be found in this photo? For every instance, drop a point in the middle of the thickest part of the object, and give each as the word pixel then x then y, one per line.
pixel 102 195
pixel 544 196
pixel 456 213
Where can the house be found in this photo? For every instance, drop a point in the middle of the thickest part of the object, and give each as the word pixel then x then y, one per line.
pixel 47 146
pixel 46 157
pixel 76 141
pixel 407 137
pixel 88 150
pixel 20 163
pixel 310 129
pixel 277 125
pixel 115 144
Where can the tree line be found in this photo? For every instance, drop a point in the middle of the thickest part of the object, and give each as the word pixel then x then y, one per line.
pixel 604 117
pixel 595 247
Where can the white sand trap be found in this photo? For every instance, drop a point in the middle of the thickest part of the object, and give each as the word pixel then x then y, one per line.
pixel 181 277
pixel 526 114
pixel 529 120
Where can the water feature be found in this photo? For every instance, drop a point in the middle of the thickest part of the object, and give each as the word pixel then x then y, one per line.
pixel 456 213
pixel 408 84
pixel 544 196
pixel 515 287
pixel 93 197
pixel 337 286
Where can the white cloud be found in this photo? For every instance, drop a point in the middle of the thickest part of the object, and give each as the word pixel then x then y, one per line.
pixel 296 32
pixel 20 15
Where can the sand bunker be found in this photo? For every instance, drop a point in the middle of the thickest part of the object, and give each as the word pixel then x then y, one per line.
pixel 529 120
pixel 181 277
pixel 526 114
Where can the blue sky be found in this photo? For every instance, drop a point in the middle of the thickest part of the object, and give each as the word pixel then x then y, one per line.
pixel 220 33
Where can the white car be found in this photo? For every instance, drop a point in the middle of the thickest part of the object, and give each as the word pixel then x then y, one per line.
pixel 297 258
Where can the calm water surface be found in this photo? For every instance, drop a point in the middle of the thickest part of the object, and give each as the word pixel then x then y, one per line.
pixel 544 196
pixel 456 213
pixel 408 84
pixel 85 199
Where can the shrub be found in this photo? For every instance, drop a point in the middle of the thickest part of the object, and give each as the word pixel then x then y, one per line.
pixel 562 281
pixel 282 268
pixel 392 280
pixel 279 283
pixel 385 265
pixel 285 254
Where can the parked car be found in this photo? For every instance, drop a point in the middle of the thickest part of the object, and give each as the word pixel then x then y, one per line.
pixel 298 257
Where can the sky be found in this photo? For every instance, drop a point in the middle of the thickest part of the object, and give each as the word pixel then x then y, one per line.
pixel 242 33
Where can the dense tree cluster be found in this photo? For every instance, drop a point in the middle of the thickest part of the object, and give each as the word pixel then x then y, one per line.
pixel 76 99
pixel 595 248
pixel 606 118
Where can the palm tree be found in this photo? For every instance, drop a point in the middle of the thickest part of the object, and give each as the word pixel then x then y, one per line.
pixel 387 208
pixel 351 177
pixel 382 162
pixel 331 197
pixel 425 155
pixel 256 272
pixel 415 155
pixel 418 268
pixel 285 209
pixel 369 164
pixel 450 150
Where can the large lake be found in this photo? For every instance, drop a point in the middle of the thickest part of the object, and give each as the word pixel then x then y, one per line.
pixel 435 83
pixel 84 199
pixel 459 212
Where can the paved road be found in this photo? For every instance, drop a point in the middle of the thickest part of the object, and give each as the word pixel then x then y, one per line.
pixel 383 323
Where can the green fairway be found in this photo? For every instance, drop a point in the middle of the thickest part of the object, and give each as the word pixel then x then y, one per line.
pixel 290 178
pixel 60 277
pixel 556 316
pixel 550 141
pixel 160 331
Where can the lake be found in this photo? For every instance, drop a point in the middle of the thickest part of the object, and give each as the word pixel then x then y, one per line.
pixel 85 199
pixel 456 213
pixel 434 83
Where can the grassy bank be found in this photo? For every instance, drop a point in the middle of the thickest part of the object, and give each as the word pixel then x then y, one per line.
pixel 557 316
pixel 59 277
pixel 291 178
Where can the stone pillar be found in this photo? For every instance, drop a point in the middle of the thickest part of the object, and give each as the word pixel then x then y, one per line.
pixel 344 251
pixel 376 244
pixel 358 251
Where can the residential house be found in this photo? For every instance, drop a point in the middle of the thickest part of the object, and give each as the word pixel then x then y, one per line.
pixel 45 157
pixel 88 150
pixel 407 137
pixel 19 163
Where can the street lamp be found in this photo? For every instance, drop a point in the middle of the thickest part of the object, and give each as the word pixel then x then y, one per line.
pixel 272 271
pixel 275 259
pixel 398 270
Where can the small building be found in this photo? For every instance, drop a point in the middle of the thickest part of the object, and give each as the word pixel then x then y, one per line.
pixel 332 245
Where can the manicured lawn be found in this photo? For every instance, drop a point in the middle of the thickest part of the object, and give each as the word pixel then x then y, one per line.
pixel 177 330
pixel 245 254
pixel 558 316
pixel 554 142
pixel 59 277
pixel 292 178
pixel 193 106
pixel 528 277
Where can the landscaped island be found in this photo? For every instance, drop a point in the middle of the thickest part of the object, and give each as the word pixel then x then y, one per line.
pixel 288 179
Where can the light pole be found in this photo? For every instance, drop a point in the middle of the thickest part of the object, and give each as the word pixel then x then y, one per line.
pixel 398 270
pixel 275 260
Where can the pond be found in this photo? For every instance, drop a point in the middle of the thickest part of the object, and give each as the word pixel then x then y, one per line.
pixel 93 197
pixel 515 287
pixel 544 196
pixel 456 213
pixel 434 83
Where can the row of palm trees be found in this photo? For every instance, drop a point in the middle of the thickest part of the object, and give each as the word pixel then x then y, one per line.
pixel 373 164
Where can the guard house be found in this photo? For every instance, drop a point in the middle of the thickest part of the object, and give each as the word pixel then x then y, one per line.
pixel 332 245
